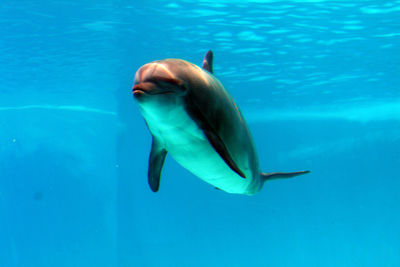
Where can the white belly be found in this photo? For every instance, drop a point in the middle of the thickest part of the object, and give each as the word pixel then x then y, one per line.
pixel 186 143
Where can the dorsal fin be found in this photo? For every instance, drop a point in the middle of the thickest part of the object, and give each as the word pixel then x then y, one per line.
pixel 208 61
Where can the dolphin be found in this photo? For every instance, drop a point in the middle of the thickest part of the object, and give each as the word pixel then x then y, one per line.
pixel 192 117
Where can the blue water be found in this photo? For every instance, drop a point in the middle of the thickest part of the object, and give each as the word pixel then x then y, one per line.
pixel 317 81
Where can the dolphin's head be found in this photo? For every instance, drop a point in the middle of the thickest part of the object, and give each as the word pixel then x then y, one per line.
pixel 160 90
pixel 156 82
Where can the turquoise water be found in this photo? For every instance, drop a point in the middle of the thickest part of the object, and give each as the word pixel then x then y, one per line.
pixel 317 81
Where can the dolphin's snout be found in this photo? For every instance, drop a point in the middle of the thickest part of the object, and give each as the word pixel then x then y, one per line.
pixel 144 88
pixel 137 90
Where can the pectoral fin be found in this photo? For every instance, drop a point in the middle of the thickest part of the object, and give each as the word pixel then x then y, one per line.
pixel 220 147
pixel 156 162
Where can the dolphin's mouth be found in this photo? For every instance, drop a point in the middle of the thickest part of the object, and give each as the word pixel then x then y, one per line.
pixel 137 92
pixel 148 89
pixel 157 85
pixel 140 89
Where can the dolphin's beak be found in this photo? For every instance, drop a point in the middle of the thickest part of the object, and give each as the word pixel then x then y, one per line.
pixel 137 90
pixel 151 88
pixel 144 88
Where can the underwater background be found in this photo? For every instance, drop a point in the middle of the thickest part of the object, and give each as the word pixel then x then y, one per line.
pixel 317 81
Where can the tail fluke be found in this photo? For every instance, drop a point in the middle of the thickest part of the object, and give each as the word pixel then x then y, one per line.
pixel 280 175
